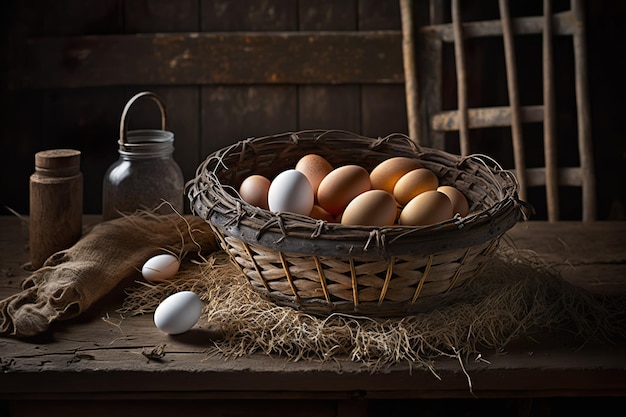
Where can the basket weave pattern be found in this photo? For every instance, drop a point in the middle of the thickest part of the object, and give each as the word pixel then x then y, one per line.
pixel 321 267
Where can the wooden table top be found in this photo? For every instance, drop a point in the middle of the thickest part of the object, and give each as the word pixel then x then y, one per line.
pixel 91 358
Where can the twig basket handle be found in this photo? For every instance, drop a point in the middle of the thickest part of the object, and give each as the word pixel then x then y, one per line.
pixel 123 121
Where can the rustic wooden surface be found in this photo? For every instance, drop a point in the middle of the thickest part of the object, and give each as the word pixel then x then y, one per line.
pixel 97 359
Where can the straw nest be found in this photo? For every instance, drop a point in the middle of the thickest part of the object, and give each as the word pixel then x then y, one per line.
pixel 514 296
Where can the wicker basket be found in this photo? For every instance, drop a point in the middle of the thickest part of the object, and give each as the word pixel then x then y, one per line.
pixel 321 267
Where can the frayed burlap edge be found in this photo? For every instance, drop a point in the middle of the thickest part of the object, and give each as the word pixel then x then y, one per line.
pixel 515 295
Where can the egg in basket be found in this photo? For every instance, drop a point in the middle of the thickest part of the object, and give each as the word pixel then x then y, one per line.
pixel 350 224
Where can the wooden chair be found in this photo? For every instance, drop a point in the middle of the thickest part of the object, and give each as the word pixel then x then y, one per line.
pixel 428 123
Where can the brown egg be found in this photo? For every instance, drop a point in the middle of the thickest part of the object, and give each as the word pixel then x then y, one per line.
pixel 429 207
pixel 340 186
pixel 385 175
pixel 254 190
pixel 315 168
pixel 319 213
pixel 413 183
pixel 459 202
pixel 371 208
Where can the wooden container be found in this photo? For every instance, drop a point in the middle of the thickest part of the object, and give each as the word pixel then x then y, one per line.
pixel 56 203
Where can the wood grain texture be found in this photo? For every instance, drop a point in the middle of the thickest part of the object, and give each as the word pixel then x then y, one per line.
pixel 56 209
pixel 485 117
pixel 329 106
pixel 234 113
pixel 521 25
pixel 382 103
pixel 589 255
pixel 160 16
pixel 248 15
pixel 212 58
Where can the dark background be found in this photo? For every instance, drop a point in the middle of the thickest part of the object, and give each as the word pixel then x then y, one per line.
pixel 208 116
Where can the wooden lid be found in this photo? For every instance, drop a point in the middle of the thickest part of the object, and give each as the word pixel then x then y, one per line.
pixel 57 159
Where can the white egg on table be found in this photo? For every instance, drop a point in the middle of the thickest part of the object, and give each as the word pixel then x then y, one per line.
pixel 160 268
pixel 291 191
pixel 178 313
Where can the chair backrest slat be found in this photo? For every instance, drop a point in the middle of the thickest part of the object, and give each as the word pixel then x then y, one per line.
pixel 461 77
pixel 512 84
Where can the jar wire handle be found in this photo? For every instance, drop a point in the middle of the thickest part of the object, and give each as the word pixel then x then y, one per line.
pixel 124 123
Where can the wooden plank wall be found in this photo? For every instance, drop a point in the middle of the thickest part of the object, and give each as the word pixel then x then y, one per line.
pixel 309 74
pixel 68 105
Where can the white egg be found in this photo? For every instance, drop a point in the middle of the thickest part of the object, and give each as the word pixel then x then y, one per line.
pixel 292 192
pixel 160 268
pixel 178 313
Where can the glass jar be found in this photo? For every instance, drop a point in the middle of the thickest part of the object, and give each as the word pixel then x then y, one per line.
pixel 146 176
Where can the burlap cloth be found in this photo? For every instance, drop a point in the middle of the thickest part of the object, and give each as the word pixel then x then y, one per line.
pixel 107 257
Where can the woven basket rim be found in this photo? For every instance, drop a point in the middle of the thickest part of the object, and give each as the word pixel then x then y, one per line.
pixel 220 205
